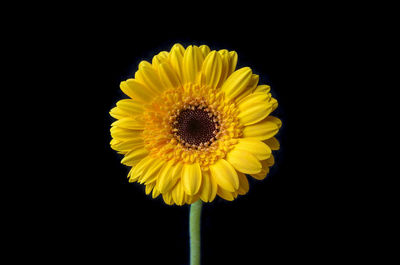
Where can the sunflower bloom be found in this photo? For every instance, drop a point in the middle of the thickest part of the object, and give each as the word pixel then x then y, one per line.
pixel 194 126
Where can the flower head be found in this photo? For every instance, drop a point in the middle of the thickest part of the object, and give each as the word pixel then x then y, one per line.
pixel 194 126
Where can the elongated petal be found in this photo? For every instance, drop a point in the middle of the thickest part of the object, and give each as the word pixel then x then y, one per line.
pixel 253 99
pixel 118 113
pixel 168 76
pixel 149 188
pixel 176 60
pixel 176 171
pixel 226 69
pixel 191 178
pixel 274 103
pixel 125 134
pixel 244 161
pixel 178 193
pixel 236 82
pixel 208 191
pixel 160 58
pixel 273 143
pixel 226 195
pixel 233 58
pixel 192 62
pixel 133 157
pixel 151 173
pixel 205 50
pixel 225 175
pixel 262 89
pixel 265 169
pixel 254 114
pixel 178 48
pixel 243 184
pixel 149 76
pixel 130 106
pixel 140 168
pixel 136 90
pixel 249 89
pixel 212 69
pixel 262 130
pixel 277 121
pixel 205 190
pixel 129 123
pixel 156 192
pixel 257 148
pixel 165 180
pixel 127 145
pixel 167 197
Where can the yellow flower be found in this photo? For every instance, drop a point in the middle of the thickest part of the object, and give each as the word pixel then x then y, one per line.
pixel 193 125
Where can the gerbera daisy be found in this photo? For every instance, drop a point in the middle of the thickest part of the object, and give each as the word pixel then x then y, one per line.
pixel 194 125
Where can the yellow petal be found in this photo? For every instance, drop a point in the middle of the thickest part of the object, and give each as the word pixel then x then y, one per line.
pixel 225 71
pixel 225 175
pixel 189 199
pixel 118 113
pixel 178 194
pixel 129 123
pixel 176 59
pixel 125 134
pixel 156 192
pixel 191 178
pixel 205 187
pixel 265 168
pixel 130 177
pixel 255 114
pixel 140 168
pixel 205 50
pixel 168 198
pixel 134 156
pixel 277 121
pixel 273 143
pixel 214 187
pixel 236 82
pixel 130 106
pixel 165 179
pixel 192 62
pixel 150 174
pixel 128 145
pixel 262 89
pixel 137 91
pixel 178 48
pixel 257 148
pixel 270 161
pixel 149 187
pixel 226 195
pixel 209 187
pixel 212 68
pixel 168 76
pixel 243 161
pixel 233 57
pixel 176 171
pixel 252 99
pixel 148 75
pixel 249 89
pixel 243 184
pixel 262 130
pixel 160 58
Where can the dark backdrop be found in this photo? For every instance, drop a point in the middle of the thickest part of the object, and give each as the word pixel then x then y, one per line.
pixel 85 210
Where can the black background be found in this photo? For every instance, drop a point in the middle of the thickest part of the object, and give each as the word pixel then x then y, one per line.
pixel 82 208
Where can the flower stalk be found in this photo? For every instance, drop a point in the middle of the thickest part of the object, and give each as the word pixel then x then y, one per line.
pixel 194 232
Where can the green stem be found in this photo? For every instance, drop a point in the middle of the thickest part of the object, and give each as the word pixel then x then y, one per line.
pixel 194 232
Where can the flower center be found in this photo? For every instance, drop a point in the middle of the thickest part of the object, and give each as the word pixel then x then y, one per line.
pixel 196 126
